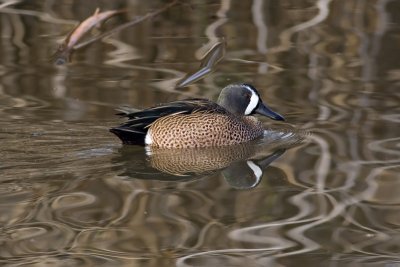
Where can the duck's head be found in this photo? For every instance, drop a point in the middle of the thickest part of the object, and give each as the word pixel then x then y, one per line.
pixel 243 99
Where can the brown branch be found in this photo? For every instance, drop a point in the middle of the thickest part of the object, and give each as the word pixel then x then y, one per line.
pixel 126 25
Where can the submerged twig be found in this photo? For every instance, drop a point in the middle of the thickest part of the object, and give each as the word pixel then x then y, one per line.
pixel 126 25
pixel 71 42
pixel 213 56
pixel 64 51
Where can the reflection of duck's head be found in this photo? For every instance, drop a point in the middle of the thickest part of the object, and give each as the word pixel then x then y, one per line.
pixel 247 174
pixel 194 123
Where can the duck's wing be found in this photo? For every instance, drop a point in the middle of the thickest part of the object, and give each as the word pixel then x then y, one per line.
pixel 135 129
pixel 186 106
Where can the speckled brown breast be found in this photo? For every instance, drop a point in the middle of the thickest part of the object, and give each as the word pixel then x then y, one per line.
pixel 203 130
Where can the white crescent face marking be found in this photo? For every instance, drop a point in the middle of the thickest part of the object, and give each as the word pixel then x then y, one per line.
pixel 253 101
pixel 256 170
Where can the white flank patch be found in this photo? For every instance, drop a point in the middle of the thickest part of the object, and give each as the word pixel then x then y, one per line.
pixel 256 170
pixel 148 140
pixel 253 102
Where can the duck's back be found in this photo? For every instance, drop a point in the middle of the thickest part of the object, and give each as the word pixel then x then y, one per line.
pixel 202 129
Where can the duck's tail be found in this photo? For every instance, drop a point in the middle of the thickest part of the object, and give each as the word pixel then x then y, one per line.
pixel 129 136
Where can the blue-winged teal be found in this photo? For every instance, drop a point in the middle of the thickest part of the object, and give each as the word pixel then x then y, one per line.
pixel 198 122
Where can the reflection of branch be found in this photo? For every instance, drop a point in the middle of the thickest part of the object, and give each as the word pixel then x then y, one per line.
pixel 126 25
pixel 211 30
pixel 41 15
pixel 323 8
pixel 262 32
pixel 213 56
pixel 9 3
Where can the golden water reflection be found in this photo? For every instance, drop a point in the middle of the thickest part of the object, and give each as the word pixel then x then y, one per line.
pixel 72 195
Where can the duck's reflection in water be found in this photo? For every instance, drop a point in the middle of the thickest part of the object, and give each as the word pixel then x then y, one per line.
pixel 242 165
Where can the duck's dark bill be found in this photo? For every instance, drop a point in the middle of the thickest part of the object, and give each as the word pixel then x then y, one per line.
pixel 262 109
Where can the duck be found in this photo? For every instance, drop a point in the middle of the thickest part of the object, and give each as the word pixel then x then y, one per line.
pixel 198 122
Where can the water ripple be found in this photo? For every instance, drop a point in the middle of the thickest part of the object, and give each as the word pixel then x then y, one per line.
pixel 71 195
pixel 29 239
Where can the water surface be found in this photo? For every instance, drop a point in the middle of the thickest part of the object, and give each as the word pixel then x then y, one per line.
pixel 71 194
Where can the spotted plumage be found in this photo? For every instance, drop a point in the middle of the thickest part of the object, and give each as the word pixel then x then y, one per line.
pixel 198 122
